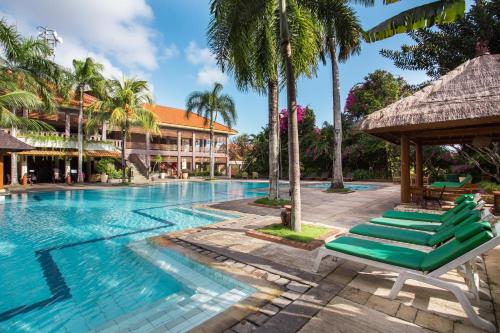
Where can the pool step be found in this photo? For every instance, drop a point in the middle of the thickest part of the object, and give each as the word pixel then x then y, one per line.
pixel 196 212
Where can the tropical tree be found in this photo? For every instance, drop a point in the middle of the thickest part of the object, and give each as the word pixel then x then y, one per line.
pixel 341 31
pixel 87 75
pixel 124 108
pixel 440 50
pixel 210 104
pixel 12 98
pixel 26 62
pixel 244 36
pixel 287 10
pixel 148 122
pixel 425 16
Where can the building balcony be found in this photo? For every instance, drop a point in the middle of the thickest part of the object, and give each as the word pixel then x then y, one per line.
pixel 55 140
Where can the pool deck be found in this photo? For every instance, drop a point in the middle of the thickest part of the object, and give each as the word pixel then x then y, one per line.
pixel 342 296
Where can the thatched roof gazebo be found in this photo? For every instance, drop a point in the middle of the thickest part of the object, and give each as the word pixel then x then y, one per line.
pixel 8 143
pixel 462 106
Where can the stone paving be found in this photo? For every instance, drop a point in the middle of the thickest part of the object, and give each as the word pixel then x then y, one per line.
pixel 342 296
pixel 335 209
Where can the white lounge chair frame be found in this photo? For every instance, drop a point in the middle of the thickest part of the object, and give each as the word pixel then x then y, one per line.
pixel 468 260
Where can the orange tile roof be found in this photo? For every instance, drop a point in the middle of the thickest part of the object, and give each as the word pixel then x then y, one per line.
pixel 75 102
pixel 177 117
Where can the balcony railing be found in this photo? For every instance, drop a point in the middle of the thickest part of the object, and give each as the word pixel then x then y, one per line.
pixel 61 141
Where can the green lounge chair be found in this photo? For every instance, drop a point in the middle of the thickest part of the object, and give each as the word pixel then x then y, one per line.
pixel 470 241
pixel 460 204
pixel 427 226
pixel 443 234
pixel 466 180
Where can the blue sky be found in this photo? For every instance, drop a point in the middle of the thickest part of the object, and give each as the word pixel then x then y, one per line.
pixel 164 42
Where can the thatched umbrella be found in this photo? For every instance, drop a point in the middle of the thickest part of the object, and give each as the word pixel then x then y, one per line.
pixel 462 106
pixel 8 143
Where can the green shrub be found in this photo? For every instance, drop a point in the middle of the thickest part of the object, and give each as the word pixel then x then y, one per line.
pixel 361 174
pixel 489 186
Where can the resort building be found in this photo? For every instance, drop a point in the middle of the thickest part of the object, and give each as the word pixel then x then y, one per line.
pixel 182 144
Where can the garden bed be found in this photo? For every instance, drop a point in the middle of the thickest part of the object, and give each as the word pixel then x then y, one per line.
pixel 310 238
pixel 270 203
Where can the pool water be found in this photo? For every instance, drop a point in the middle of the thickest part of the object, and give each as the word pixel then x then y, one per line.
pixel 64 261
pixel 354 187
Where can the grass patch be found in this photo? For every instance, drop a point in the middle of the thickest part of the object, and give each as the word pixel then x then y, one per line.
pixel 272 202
pixel 339 190
pixel 307 235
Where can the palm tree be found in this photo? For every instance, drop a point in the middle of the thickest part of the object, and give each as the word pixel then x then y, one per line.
pixel 149 123
pixel 249 47
pixel 123 107
pixel 288 9
pixel 210 104
pixel 253 39
pixel 341 30
pixel 425 16
pixel 86 76
pixel 13 98
pixel 27 63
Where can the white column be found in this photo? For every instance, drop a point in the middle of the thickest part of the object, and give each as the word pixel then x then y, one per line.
pixel 24 165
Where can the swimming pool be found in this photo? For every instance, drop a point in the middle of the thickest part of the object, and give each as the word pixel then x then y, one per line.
pixel 65 260
pixel 354 187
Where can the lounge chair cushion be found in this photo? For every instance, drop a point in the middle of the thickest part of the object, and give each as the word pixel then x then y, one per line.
pixel 462 215
pixel 452 184
pixel 386 253
pixel 452 250
pixel 395 234
pixel 464 197
pixel 406 224
pixel 412 216
pixel 465 204
pixel 469 230
pixel 447 233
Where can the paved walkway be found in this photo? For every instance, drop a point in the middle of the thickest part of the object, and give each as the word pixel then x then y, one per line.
pixel 338 210
pixel 342 296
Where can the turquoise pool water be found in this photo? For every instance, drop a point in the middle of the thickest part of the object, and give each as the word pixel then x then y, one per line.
pixel 354 187
pixel 64 261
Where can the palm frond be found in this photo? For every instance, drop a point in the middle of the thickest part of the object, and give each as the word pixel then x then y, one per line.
pixel 438 12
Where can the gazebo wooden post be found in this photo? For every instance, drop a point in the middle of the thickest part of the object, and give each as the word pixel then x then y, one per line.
pixel 1 171
pixel 405 169
pixel 419 172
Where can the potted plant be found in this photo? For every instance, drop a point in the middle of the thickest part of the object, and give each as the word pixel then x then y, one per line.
pixel 103 167
pixel 185 173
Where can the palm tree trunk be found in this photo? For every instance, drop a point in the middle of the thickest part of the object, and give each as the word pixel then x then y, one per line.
pixel 293 133
pixel 123 154
pixel 212 158
pixel 337 177
pixel 80 137
pixel 272 96
pixel 147 162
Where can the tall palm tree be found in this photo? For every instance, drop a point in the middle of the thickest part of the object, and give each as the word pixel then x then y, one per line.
pixel 149 123
pixel 294 11
pixel 425 16
pixel 87 75
pixel 125 109
pixel 342 34
pixel 210 104
pixel 244 36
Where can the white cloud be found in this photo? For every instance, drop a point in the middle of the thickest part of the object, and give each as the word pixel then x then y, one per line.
pixel 116 33
pixel 208 75
pixel 170 51
pixel 208 72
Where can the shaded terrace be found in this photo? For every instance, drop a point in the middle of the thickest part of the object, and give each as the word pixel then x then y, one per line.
pixel 462 107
